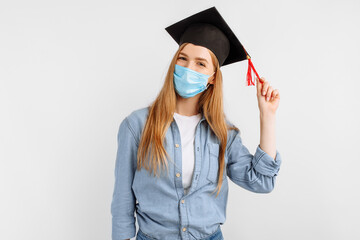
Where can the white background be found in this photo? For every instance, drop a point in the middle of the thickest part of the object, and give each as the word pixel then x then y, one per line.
pixel 70 71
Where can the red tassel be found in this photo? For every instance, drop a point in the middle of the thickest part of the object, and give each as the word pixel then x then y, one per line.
pixel 249 75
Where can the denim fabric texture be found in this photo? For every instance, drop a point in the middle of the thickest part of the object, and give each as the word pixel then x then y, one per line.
pixel 217 235
pixel 162 209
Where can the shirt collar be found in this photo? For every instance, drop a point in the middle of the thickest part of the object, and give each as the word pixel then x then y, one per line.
pixel 202 118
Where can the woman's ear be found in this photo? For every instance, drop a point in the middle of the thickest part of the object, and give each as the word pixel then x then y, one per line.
pixel 212 79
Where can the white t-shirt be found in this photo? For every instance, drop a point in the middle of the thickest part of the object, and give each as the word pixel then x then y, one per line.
pixel 187 126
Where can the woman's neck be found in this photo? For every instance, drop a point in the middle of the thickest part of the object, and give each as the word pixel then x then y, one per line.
pixel 187 106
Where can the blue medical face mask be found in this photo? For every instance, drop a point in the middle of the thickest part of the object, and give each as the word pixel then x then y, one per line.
pixel 189 83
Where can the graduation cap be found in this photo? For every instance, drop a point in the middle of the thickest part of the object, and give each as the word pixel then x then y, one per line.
pixel 208 29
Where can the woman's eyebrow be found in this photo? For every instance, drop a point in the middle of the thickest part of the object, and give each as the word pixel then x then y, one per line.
pixel 197 58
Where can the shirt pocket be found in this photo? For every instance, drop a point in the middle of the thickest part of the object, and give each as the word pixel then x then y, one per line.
pixel 213 162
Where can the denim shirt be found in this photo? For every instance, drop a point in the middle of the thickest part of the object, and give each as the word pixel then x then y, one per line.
pixel 162 209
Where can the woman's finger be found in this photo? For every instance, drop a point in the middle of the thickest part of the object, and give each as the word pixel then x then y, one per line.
pixel 275 94
pixel 269 92
pixel 264 87
pixel 258 85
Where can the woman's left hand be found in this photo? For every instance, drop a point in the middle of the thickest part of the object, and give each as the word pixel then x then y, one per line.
pixel 264 90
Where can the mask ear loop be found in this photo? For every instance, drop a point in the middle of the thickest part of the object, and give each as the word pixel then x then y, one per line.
pixel 207 85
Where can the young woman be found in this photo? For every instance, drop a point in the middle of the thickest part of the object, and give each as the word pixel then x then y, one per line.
pixel 174 155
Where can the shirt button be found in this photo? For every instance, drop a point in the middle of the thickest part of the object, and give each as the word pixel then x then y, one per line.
pixel 182 201
pixel 177 145
pixel 184 229
pixel 178 174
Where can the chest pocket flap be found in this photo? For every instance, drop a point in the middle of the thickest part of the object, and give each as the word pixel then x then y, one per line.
pixel 213 162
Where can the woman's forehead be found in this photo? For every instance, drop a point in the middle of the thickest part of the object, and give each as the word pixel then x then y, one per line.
pixel 196 51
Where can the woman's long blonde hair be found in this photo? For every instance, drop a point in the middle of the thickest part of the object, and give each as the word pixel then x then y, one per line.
pixel 151 153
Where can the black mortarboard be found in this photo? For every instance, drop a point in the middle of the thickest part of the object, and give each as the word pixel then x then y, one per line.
pixel 208 29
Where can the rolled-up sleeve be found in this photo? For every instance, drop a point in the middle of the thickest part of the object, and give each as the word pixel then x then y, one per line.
pixel 256 173
pixel 123 201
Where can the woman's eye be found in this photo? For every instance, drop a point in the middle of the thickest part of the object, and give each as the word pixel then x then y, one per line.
pixel 202 64
pixel 182 58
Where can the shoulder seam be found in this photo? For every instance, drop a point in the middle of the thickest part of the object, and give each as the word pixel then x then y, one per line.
pixel 131 130
pixel 231 144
